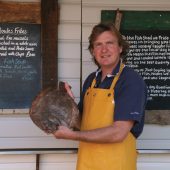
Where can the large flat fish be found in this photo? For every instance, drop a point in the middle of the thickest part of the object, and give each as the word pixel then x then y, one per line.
pixel 54 107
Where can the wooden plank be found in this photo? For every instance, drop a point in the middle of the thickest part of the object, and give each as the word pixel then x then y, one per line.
pixel 118 19
pixel 20 12
pixel 49 23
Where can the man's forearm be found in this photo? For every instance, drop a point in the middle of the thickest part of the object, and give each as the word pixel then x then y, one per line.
pixel 110 134
pixel 114 133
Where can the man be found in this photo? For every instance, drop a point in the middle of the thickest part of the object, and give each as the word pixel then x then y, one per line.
pixel 112 106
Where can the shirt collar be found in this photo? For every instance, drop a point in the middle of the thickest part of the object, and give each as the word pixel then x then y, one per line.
pixel 114 72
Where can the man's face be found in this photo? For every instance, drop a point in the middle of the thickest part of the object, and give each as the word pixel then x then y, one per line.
pixel 106 50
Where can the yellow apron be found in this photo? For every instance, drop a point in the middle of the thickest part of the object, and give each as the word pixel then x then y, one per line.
pixel 99 112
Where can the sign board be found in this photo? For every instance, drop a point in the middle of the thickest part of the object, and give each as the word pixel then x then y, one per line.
pixel 149 38
pixel 20 64
pixel 150 56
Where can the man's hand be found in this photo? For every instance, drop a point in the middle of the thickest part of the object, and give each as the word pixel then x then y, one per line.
pixel 68 88
pixel 64 133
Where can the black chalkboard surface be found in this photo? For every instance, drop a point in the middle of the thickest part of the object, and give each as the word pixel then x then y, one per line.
pixel 20 64
pixel 149 37
pixel 149 55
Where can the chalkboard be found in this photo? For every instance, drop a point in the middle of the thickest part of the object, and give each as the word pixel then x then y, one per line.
pixel 20 64
pixel 139 20
pixel 149 37
pixel 150 56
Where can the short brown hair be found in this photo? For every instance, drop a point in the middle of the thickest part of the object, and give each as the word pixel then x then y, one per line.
pixel 102 27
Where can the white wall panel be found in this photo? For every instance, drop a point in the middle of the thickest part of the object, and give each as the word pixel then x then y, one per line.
pixel 88 67
pixel 17 162
pixel 69 50
pixel 69 44
pixel 148 143
pixel 87 28
pixel 17 166
pixel 58 161
pixel 91 15
pixel 154 158
pixel 69 68
pixel 68 162
pixel 86 54
pixel 155 137
pixel 58 158
pixel 20 132
pixel 47 162
pixel 17 159
pixel 69 31
pixel 58 166
pixel 151 130
pixel 24 142
pixel 153 162
pixel 17 126
pixel 75 2
pixel 70 13
pixel 155 166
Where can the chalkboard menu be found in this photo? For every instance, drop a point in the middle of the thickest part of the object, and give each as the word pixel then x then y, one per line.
pixel 149 37
pixel 20 64
pixel 150 56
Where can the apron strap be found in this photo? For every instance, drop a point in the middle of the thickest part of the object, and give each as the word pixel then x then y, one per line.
pixel 117 76
pixel 114 80
pixel 93 83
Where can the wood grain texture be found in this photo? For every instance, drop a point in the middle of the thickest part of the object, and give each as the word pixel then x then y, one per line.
pixel 20 12
pixel 49 18
pixel 161 117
